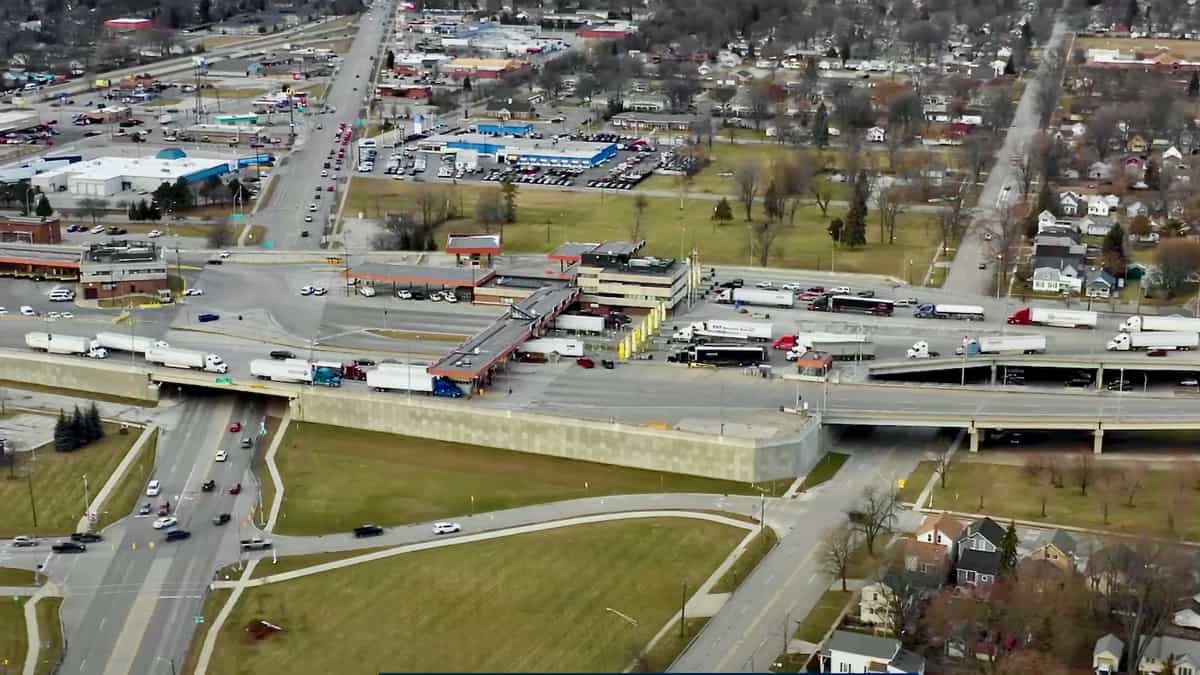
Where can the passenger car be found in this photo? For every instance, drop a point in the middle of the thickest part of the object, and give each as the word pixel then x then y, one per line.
pixel 446 528
pixel 68 547
pixel 153 488
pixel 368 531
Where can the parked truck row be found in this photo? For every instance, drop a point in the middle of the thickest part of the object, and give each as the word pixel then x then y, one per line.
pixel 756 296
pixel 1154 340
pixel 843 347
pixel 715 330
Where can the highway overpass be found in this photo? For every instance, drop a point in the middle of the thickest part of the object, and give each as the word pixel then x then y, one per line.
pixel 1099 364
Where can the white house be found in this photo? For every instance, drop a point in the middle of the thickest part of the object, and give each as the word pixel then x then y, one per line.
pixel 1099 171
pixel 943 530
pixel 1098 206
pixel 1068 202
pixel 998 67
pixel 1137 209
pixel 1100 284
pixel 847 652
pixel 1172 153
pixel 1046 219
pixel 876 134
pixel 1184 653
pixel 875 604
pixel 1096 226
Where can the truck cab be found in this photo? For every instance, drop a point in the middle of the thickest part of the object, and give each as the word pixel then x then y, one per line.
pixel 920 350
pixel 164 295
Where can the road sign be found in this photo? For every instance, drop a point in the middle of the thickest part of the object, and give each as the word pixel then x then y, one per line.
pixel 198 619
pixel 268 244
pixel 900 482
pixel 360 122
pixel 223 380
pixel 238 217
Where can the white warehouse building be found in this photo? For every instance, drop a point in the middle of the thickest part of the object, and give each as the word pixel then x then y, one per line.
pixel 106 176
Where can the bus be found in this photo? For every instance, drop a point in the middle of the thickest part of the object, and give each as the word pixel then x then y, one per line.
pixel 853 303
pixel 722 355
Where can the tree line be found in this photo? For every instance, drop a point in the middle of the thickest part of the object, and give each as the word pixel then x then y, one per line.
pixel 78 430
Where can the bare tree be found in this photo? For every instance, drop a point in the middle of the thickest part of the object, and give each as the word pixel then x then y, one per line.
pixel 1108 486
pixel 640 203
pixel 890 203
pixel 1147 581
pixel 822 193
pixel 489 209
pixel 765 234
pixel 93 207
pixel 836 551
pixel 874 514
pixel 747 177
pixel 1132 479
pixel 432 205
pixel 1083 471
pixel 942 461
pixel 1102 129
pixel 1005 247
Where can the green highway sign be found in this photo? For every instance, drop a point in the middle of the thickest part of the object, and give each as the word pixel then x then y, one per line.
pixel 223 380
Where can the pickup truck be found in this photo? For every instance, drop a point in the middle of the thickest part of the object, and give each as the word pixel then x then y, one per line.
pixel 255 544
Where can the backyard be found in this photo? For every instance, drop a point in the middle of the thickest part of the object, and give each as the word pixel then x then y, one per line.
pixel 337 478
pixel 547 218
pixel 579 599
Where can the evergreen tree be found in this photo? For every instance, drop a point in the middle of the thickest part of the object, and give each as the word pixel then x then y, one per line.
pixel 79 428
pixel 723 213
pixel 854 232
pixel 95 426
pixel 836 225
pixel 1194 84
pixel 133 212
pixel 43 208
pixel 510 200
pixel 64 439
pixel 1114 241
pixel 1008 549
pixel 820 126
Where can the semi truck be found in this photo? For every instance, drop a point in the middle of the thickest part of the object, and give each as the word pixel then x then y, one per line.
pixel 401 377
pixel 920 350
pixel 716 330
pixel 721 355
pixel 1123 342
pixel 756 296
pixel 186 358
pixel 1064 318
pixel 52 343
pixel 291 370
pixel 1003 344
pixel 128 343
pixel 560 346
pixel 583 323
pixel 940 311
pixel 1179 324
pixel 847 347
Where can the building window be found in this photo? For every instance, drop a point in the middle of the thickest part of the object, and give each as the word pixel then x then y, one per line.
pixel 844 667
pixel 1183 670
pixel 970 576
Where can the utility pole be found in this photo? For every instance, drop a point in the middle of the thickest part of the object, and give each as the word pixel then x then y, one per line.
pixel 683 612
pixel 32 501
pixel 87 503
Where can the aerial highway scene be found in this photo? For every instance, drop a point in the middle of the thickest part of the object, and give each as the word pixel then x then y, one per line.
pixel 352 336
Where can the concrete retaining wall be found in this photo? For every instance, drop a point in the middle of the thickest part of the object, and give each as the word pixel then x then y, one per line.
pixel 83 374
pixel 724 457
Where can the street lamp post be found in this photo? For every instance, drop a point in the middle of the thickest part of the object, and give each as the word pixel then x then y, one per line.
pixel 87 503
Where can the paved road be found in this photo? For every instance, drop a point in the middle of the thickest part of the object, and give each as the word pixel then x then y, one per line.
pixel 965 275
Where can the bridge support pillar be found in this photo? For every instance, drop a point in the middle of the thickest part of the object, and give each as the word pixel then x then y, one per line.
pixel 993 374
pixel 1100 377
pixel 1098 441
pixel 974 439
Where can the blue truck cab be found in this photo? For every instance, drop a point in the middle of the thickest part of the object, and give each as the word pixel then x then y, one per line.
pixel 446 388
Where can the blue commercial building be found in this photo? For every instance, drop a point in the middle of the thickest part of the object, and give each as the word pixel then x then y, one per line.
pixel 538 152
pixel 505 128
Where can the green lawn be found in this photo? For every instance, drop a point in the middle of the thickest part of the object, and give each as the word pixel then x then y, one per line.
pixel 665 651
pixel 57 484
pixel 547 218
pixel 259 465
pixel 820 619
pixel 213 603
pixel 536 602
pixel 825 469
pixel 759 546
pixel 915 483
pixel 50 632
pixel 1009 493
pixel 12 638
pixel 289 563
pixel 129 489
pixel 11 576
pixel 77 393
pixel 338 478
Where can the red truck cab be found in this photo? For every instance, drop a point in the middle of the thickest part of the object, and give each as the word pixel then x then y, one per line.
pixel 785 343
pixel 351 371
pixel 1020 318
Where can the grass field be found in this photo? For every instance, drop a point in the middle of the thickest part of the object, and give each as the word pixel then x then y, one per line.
pixel 531 603
pixel 129 489
pixel 658 659
pixel 546 218
pixel 1008 493
pixel 57 484
pixel 11 576
pixel 212 606
pixel 825 469
pixel 820 619
pixel 759 546
pixel 1185 49
pixel 12 639
pixel 916 482
pixel 50 631
pixel 338 478
pixel 226 93
pixel 76 393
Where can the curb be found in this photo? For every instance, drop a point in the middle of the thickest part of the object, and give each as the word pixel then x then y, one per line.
pixel 115 477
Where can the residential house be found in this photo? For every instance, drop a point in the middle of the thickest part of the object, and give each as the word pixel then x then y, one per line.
pixel 1106 655
pixel 646 103
pixel 1188 617
pixel 1184 653
pixel 510 109
pixel 1051 280
pixel 921 572
pixel 1135 168
pixel 1099 284
pixel 1098 206
pixel 1138 143
pixel 1046 219
pixel 1099 171
pixel 979 552
pixel 1068 203
pixel 1096 226
pixel 1070 174
pixel 942 529
pixel 847 652
pixel 1064 229
pixel 1060 247
pixel 1137 209
pixel 876 135
pixel 1056 546
pixel 1172 153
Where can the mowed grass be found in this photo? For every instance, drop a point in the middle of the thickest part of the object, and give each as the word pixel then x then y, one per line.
pixel 57 479
pixel 915 483
pixel 76 393
pixel 530 603
pixel 756 550
pixel 259 465
pixel 11 576
pixel 820 619
pixel 337 478
pixel 50 632
pixel 12 638
pixel 547 218
pixel 213 603
pixel 1009 493
pixel 129 489
pixel 825 469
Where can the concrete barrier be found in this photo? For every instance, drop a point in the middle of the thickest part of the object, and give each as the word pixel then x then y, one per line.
pixel 82 374
pixel 740 459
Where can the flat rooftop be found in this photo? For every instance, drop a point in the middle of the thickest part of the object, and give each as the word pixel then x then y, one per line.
pixel 527 145
pixel 571 251
pixel 57 256
pixel 106 168
pixel 525 281
pixel 618 248
pixel 473 243
pixel 426 275
pixel 122 252
pixel 523 320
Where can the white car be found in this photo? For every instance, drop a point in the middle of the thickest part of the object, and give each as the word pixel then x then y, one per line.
pixel 154 234
pixel 222 455
pixel 312 207
pixel 99 229
pixel 792 287
pixel 3 311
pixel 306 290
pixel 193 291
pixel 764 284
pixel 840 290
pixel 165 522
pixel 319 290
pixel 153 488
pixel 53 315
pixel 402 294
pixel 26 310
pixel 324 173
pixel 224 255
pixel 450 297
pixel 446 528
pixel 436 296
